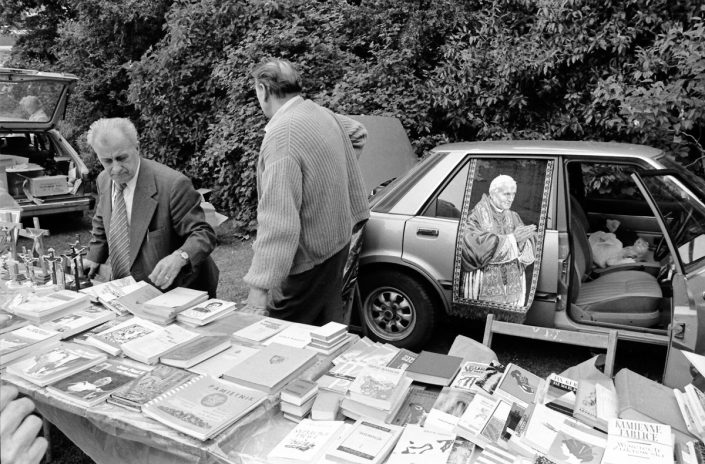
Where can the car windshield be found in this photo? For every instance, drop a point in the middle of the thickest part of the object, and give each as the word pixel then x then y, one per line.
pixel 670 163
pixel 33 100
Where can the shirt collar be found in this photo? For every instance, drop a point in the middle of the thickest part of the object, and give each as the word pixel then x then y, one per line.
pixel 132 183
pixel 282 109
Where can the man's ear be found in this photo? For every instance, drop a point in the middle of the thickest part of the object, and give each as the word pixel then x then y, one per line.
pixel 265 91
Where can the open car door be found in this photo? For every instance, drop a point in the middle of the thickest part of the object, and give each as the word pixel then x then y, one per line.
pixel 679 207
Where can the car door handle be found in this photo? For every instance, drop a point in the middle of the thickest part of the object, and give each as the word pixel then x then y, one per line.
pixel 427 232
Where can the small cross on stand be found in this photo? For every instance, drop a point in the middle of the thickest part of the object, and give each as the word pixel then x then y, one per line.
pixel 36 234
pixel 57 272
pixel 75 256
pixel 28 260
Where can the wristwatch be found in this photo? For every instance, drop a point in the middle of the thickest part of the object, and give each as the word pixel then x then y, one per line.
pixel 182 254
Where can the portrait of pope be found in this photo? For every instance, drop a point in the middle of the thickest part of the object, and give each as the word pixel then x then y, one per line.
pixel 496 248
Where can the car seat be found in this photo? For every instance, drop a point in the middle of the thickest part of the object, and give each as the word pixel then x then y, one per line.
pixel 625 297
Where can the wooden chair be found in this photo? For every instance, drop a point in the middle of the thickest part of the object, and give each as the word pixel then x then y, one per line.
pixel 593 340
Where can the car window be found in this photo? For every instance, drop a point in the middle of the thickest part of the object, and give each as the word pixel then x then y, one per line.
pixel 609 181
pixel 449 200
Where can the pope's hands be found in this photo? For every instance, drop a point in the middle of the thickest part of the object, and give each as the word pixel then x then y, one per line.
pixel 256 302
pixel 166 270
pixel 523 233
pixel 19 443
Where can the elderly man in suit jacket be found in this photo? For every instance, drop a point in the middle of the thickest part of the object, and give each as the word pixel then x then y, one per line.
pixel 148 222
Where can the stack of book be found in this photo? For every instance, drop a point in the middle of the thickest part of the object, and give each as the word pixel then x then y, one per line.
pixel 10 322
pixel 55 364
pixel 595 402
pixel 691 402
pixel 112 339
pixel 326 406
pixel 271 368
pixel 195 351
pixel 39 309
pixel 203 407
pixel 206 312
pixel 79 321
pixel 149 348
pixel 25 340
pixel 297 399
pixel 377 393
pixel 329 338
pixel 148 386
pixel 164 308
pixel 92 386
pixel 306 443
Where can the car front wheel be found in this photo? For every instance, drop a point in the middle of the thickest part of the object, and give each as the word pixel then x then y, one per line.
pixel 397 309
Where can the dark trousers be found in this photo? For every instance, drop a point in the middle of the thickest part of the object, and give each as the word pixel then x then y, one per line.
pixel 313 296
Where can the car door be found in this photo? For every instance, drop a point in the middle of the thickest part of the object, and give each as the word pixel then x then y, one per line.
pixel 679 206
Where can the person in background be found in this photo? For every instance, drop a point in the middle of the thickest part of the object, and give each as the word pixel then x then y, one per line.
pixel 148 222
pixel 310 195
pixel 32 106
pixel 19 443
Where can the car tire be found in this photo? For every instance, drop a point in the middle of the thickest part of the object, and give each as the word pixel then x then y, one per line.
pixel 397 309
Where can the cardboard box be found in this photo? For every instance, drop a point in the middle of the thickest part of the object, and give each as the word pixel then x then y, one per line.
pixel 48 185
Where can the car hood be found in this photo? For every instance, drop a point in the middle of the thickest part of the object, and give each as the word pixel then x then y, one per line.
pixel 33 100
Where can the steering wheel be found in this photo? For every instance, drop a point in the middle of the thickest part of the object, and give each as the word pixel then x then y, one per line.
pixel 679 226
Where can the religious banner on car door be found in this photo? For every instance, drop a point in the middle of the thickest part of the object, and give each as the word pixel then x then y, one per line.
pixel 500 237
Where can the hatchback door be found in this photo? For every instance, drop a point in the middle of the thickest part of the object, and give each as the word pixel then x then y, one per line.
pixel 679 206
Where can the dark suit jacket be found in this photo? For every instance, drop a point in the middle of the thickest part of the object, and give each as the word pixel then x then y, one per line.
pixel 166 216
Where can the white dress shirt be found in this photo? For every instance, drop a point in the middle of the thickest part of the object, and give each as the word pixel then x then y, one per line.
pixel 128 193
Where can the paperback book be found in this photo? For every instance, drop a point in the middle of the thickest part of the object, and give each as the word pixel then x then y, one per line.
pixel 93 385
pixel 329 332
pixel 204 406
pixel 299 391
pixel 518 385
pixel 79 321
pixel 632 441
pixel 10 322
pixel 206 312
pixel 112 339
pixel 176 300
pixel 403 359
pixel 195 351
pixel 306 442
pixel 448 408
pixel 149 348
pixel 261 330
pixel 367 442
pixel 358 410
pixel 416 405
pixel 223 361
pixel 131 300
pixel 148 386
pixel 376 386
pixel 39 309
pixel 295 335
pixel 55 364
pixel 469 373
pixel 25 340
pixel 488 381
pixel 559 393
pixel 417 445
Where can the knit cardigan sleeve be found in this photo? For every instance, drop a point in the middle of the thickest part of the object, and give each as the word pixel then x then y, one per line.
pixel 280 193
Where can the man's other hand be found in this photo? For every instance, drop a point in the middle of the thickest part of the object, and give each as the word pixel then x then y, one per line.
pixel 91 267
pixel 19 443
pixel 166 271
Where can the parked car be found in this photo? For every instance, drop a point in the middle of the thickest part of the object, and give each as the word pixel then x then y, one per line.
pixel 408 260
pixel 38 167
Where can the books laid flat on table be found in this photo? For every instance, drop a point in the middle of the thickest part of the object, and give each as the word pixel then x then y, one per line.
pixel 595 402
pixel 632 441
pixel 10 322
pixel 204 406
pixel 559 393
pixel 305 443
pixel 206 312
pixel 449 406
pixel 326 405
pixel 403 359
pixel 416 405
pixel 376 386
pixel 82 337
pixel 79 321
pixel 150 385
pixel 355 409
pixel 195 351
pixel 417 445
pixel 132 299
pixel 367 442
pixel 112 339
pixel 487 382
pixel 434 368
pixel 328 332
pixel 55 364
pixel 518 385
pixel 223 361
pixel 299 391
pixel 171 303
pixel 271 367
pixel 296 412
pixel 296 335
pixel 640 398
pixel 25 340
pixel 93 385
pixel 476 416
pixel 261 330
pixel 39 309
pixel 106 292
pixel 469 372
pixel 149 348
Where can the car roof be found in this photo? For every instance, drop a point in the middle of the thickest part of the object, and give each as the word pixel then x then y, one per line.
pixel 552 147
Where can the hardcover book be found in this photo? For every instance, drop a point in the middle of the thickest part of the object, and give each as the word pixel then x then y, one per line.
pixel 195 351
pixel 376 386
pixel 26 339
pixel 633 441
pixel 305 443
pixel 367 442
pixel 150 385
pixel 223 361
pixel 416 405
pixel 261 330
pixel 434 368
pixel 112 339
pixel 417 445
pixel 50 366
pixel 206 312
pixel 92 386
pixel 79 321
pixel 271 367
pixel 297 411
pixel 149 348
pixel 203 407
pixel 299 391
pixel 518 385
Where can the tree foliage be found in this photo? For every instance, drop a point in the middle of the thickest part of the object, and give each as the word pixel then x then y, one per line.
pixel 630 71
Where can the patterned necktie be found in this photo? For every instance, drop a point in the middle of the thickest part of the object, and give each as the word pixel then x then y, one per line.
pixel 119 235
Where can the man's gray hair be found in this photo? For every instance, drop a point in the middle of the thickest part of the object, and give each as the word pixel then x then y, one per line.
pixel 501 181
pixel 99 130
pixel 280 77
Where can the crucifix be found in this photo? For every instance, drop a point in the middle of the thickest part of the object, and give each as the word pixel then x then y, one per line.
pixel 29 260
pixel 36 234
pixel 51 259
pixel 75 256
pixel 8 237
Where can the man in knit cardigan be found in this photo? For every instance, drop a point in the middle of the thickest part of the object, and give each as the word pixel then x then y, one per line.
pixel 310 195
